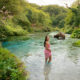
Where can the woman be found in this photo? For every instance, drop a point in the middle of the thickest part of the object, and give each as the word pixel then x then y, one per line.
pixel 47 50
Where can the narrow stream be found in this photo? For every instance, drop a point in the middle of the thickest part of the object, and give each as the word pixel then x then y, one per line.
pixel 65 57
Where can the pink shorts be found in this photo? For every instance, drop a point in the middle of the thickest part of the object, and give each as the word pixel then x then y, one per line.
pixel 47 53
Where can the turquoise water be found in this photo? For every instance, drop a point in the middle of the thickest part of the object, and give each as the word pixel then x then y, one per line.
pixel 65 57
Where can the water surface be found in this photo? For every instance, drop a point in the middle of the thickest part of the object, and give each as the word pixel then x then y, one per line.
pixel 65 57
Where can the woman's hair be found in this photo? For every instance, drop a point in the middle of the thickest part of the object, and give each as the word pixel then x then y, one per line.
pixel 45 40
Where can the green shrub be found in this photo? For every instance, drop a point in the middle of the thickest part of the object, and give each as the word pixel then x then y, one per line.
pixel 68 29
pixel 76 33
pixel 47 29
pixel 11 68
pixel 18 31
pixel 7 30
pixel 77 43
pixel 22 21
pixel 56 29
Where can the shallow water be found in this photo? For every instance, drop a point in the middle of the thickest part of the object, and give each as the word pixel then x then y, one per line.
pixel 65 57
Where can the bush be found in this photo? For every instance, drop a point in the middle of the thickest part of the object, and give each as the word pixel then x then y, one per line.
pixel 7 30
pixel 77 43
pixel 56 29
pixel 11 68
pixel 13 6
pixel 22 21
pixel 68 29
pixel 47 29
pixel 76 33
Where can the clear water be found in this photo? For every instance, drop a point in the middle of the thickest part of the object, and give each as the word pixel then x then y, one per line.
pixel 65 57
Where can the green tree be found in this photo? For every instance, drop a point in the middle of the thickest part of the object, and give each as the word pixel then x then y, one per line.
pixel 57 14
pixel 73 16
pixel 13 6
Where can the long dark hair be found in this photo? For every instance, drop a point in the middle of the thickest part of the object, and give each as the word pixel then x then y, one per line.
pixel 45 40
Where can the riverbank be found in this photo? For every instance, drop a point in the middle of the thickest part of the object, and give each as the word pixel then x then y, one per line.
pixel 11 68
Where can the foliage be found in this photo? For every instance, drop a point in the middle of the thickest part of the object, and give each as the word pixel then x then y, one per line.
pixel 11 68
pixel 73 16
pixel 13 6
pixel 69 20
pixel 18 17
pixel 42 29
pixel 68 29
pixel 22 20
pixel 7 13
pixel 76 33
pixel 57 14
pixel 73 20
pixel 9 30
pixel 59 20
pixel 37 17
pixel 77 43
pixel 53 9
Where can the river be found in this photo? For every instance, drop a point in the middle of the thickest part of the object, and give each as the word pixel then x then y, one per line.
pixel 65 57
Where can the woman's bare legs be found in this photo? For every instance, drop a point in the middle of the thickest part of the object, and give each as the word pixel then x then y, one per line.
pixel 50 58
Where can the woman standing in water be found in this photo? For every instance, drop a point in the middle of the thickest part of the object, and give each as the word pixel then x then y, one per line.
pixel 47 50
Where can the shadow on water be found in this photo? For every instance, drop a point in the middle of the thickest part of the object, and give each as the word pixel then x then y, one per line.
pixel 47 69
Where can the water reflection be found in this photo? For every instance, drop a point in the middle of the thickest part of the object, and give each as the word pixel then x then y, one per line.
pixel 17 38
pixel 47 69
